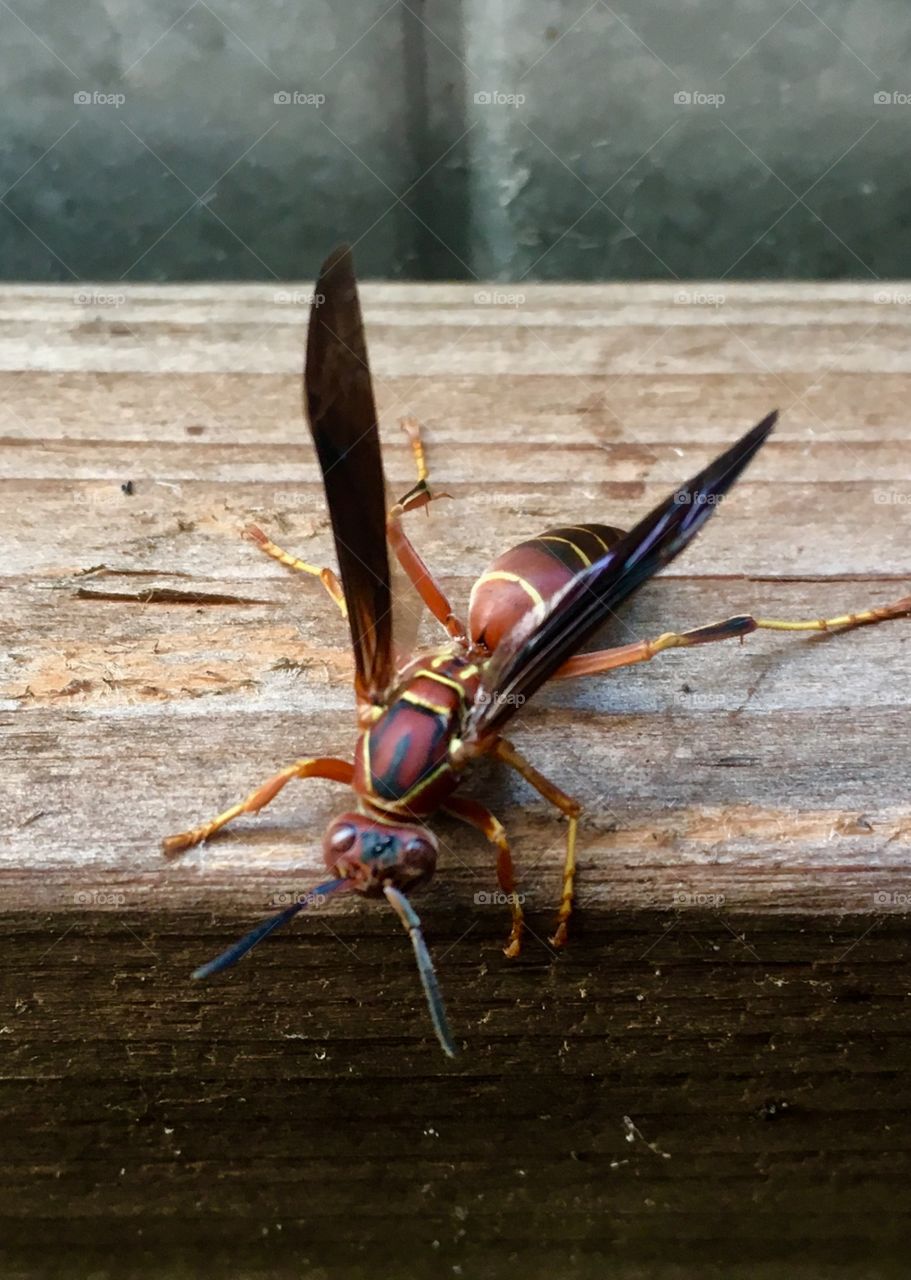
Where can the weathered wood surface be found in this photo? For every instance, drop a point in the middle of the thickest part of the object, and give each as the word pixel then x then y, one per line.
pixel 716 1071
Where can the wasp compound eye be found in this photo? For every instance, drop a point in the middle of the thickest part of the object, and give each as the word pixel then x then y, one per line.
pixel 342 838
pixel 419 853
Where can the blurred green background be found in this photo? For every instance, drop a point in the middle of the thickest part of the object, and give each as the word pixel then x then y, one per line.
pixel 657 138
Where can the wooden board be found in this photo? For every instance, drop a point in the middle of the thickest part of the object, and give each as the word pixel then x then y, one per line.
pixel 719 1060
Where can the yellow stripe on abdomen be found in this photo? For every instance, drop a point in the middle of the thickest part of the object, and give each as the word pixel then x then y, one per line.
pixel 501 575
pixel 552 537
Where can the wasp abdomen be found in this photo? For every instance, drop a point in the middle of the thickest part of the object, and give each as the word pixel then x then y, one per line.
pixel 529 574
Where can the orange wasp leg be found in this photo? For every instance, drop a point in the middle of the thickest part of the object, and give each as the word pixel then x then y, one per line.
pixel 317 767
pixel 476 815
pixel 506 752
pixel 420 576
pixel 412 429
pixel 326 576
pixel 589 664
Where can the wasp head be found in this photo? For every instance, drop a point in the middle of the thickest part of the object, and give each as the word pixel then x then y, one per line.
pixel 372 854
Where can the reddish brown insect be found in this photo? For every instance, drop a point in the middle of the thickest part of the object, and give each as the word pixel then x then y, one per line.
pixel 423 719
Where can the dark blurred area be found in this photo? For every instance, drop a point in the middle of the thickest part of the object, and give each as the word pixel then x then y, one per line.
pixel 589 141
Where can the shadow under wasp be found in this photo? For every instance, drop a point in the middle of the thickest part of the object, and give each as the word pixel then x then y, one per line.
pixel 423 719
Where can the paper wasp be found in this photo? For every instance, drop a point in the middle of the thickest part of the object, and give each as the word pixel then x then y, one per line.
pixel 423 719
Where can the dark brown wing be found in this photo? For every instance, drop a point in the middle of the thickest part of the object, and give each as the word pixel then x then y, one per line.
pixel 339 398
pixel 535 650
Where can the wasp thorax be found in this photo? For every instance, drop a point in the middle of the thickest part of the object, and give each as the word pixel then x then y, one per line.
pixel 372 854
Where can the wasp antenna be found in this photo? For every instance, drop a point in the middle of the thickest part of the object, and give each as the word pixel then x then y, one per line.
pixel 412 924
pixel 245 944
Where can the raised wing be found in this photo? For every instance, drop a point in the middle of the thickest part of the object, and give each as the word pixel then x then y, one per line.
pixel 539 646
pixel 338 395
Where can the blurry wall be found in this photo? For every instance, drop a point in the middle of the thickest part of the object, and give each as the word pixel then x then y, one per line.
pixel 588 140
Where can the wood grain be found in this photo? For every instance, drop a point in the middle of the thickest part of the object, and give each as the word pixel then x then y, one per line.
pixel 720 1059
